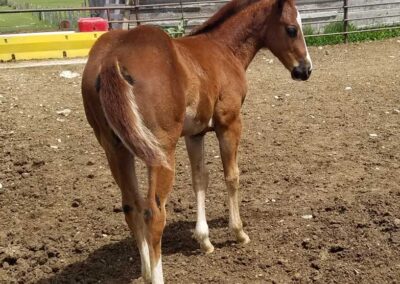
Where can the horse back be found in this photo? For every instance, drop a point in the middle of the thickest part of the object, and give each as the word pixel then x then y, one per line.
pixel 147 57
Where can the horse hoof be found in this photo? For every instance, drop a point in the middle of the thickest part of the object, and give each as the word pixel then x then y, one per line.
pixel 209 250
pixel 207 247
pixel 243 238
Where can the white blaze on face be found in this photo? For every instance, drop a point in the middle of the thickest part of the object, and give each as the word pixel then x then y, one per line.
pixel 308 58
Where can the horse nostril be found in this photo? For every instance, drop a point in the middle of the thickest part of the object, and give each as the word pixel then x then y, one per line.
pixel 301 73
pixel 296 73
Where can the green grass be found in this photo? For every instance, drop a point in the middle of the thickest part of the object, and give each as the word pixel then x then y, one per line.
pixel 10 23
pixel 355 37
pixel 50 3
pixel 27 22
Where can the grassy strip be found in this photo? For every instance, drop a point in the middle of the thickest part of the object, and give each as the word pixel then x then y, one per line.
pixel 48 3
pixel 10 23
pixel 356 37
pixel 29 22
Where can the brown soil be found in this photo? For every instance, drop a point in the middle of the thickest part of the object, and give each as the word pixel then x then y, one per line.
pixel 307 149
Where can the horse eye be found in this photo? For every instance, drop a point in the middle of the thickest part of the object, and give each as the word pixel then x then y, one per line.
pixel 292 32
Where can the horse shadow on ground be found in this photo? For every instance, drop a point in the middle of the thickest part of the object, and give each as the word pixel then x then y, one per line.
pixel 119 262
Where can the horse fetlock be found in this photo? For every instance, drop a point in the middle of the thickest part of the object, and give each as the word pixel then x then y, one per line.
pixel 146 275
pixel 201 235
pixel 204 242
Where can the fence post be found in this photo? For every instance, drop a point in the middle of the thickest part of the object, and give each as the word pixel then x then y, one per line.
pixel 126 15
pixel 137 4
pixel 109 19
pixel 345 21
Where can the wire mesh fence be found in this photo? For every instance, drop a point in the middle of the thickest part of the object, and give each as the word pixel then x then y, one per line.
pixel 320 18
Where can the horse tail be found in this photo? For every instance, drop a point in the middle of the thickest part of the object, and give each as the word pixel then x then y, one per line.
pixel 115 88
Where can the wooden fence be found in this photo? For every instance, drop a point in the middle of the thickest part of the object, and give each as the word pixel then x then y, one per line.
pixel 368 14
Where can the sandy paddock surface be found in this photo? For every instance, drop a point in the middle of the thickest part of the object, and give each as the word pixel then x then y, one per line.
pixel 320 179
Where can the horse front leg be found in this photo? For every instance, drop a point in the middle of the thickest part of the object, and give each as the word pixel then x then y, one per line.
pixel 229 137
pixel 195 149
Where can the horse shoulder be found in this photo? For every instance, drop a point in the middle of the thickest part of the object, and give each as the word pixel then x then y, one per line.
pixel 232 92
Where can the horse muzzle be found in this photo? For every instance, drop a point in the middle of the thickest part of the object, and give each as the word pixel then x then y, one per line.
pixel 302 72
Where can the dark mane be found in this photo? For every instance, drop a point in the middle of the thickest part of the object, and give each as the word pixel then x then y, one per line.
pixel 222 15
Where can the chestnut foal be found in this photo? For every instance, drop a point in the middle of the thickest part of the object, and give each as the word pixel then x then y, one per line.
pixel 143 90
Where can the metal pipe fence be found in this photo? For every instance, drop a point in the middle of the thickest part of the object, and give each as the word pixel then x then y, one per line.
pixel 346 14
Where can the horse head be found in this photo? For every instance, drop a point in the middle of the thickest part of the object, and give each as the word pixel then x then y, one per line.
pixel 284 36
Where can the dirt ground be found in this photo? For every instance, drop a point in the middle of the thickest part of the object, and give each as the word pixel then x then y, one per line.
pixel 320 179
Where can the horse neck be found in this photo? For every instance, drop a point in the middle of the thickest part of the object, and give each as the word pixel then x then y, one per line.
pixel 240 36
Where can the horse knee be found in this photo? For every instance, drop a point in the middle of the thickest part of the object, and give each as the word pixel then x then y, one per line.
pixel 232 182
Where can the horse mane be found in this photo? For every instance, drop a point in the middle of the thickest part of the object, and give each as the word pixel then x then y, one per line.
pixel 227 11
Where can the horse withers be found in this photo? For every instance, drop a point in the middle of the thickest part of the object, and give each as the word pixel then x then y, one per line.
pixel 142 91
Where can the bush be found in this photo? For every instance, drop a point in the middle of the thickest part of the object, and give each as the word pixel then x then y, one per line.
pixel 177 31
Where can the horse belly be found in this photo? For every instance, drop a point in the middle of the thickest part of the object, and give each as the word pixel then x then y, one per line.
pixel 193 126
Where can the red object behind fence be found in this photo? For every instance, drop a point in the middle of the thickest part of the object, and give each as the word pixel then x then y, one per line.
pixel 92 24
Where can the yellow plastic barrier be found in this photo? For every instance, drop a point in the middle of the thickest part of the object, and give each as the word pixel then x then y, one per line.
pixel 46 45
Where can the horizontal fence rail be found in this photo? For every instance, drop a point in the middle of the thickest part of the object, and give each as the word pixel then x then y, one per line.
pixel 348 16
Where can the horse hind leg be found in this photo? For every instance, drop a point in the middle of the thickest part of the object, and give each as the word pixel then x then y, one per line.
pixel 161 179
pixel 195 148
pixel 229 137
pixel 122 165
